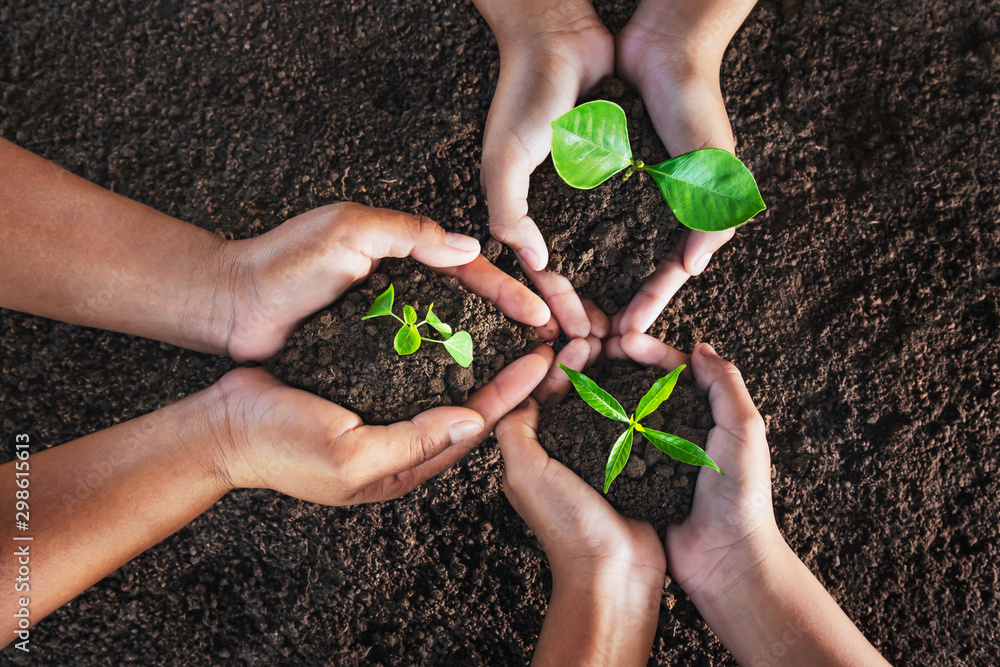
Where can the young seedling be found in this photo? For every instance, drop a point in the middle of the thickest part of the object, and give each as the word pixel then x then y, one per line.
pixel 671 445
pixel 408 338
pixel 709 190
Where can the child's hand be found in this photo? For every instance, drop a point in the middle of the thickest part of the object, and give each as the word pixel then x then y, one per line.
pixel 550 51
pixel 731 525
pixel 671 51
pixel 279 278
pixel 277 437
pixel 607 571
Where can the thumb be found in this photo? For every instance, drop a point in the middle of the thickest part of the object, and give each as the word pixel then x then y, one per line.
pixel 379 232
pixel 403 446
pixel 522 454
pixel 732 407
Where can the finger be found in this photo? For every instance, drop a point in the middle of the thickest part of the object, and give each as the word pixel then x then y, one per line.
pixel 550 330
pixel 522 454
pixel 506 174
pixel 393 449
pixel 595 350
pixel 649 351
pixel 511 297
pixel 656 292
pixel 511 386
pixel 565 303
pixel 732 407
pixel 613 349
pixel 600 325
pixel 379 232
pixel 556 383
pixel 701 246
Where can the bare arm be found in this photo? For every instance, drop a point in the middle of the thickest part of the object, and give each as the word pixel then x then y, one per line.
pixel 73 251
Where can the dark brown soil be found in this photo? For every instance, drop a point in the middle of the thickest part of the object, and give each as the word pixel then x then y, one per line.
pixel 608 240
pixel 863 308
pixel 653 487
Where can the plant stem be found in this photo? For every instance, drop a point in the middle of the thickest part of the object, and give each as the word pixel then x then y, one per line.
pixel 636 164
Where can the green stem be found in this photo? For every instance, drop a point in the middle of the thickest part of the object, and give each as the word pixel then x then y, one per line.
pixel 636 164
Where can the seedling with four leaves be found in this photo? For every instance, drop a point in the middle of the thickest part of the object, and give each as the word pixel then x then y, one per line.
pixel 408 338
pixel 671 445
pixel 708 190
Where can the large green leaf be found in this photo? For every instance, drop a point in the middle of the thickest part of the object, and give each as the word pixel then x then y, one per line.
pixel 434 321
pixel 659 392
pixel 618 458
pixel 407 339
pixel 382 305
pixel 680 449
pixel 708 190
pixel 596 397
pixel 459 347
pixel 590 144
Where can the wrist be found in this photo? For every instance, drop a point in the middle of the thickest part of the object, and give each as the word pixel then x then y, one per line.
pixel 749 567
pixel 529 25
pixel 201 428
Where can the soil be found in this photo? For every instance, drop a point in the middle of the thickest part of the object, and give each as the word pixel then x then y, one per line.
pixel 653 487
pixel 353 363
pixel 627 229
pixel 862 307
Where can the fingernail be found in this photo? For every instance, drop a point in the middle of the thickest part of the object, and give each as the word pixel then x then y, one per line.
pixel 708 350
pixel 701 263
pixel 530 257
pixel 464 430
pixel 461 242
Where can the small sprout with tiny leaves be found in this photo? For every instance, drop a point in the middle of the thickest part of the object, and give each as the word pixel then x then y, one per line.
pixel 408 338
pixel 671 445
pixel 708 190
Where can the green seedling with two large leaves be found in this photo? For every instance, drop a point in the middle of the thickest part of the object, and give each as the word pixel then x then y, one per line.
pixel 606 404
pixel 408 338
pixel 708 190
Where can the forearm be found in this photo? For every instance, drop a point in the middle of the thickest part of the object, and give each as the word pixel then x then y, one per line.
pixel 73 251
pixel 97 502
pixel 611 621
pixel 779 614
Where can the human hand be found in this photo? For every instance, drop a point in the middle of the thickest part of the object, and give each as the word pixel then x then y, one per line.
pixel 607 571
pixel 671 52
pixel 731 527
pixel 278 437
pixel 278 279
pixel 549 52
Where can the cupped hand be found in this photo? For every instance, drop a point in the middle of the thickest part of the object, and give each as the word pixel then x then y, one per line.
pixel 583 537
pixel 671 52
pixel 302 445
pixel 549 53
pixel 731 527
pixel 278 279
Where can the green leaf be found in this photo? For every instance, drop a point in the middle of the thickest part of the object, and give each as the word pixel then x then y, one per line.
pixel 590 144
pixel 596 397
pixel 680 449
pixel 407 339
pixel 459 347
pixel 709 190
pixel 439 326
pixel 618 458
pixel 659 392
pixel 409 315
pixel 382 305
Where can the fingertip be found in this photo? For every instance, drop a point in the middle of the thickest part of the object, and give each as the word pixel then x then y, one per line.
pixel 462 243
pixel 550 330
pixel 613 349
pixel 545 352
